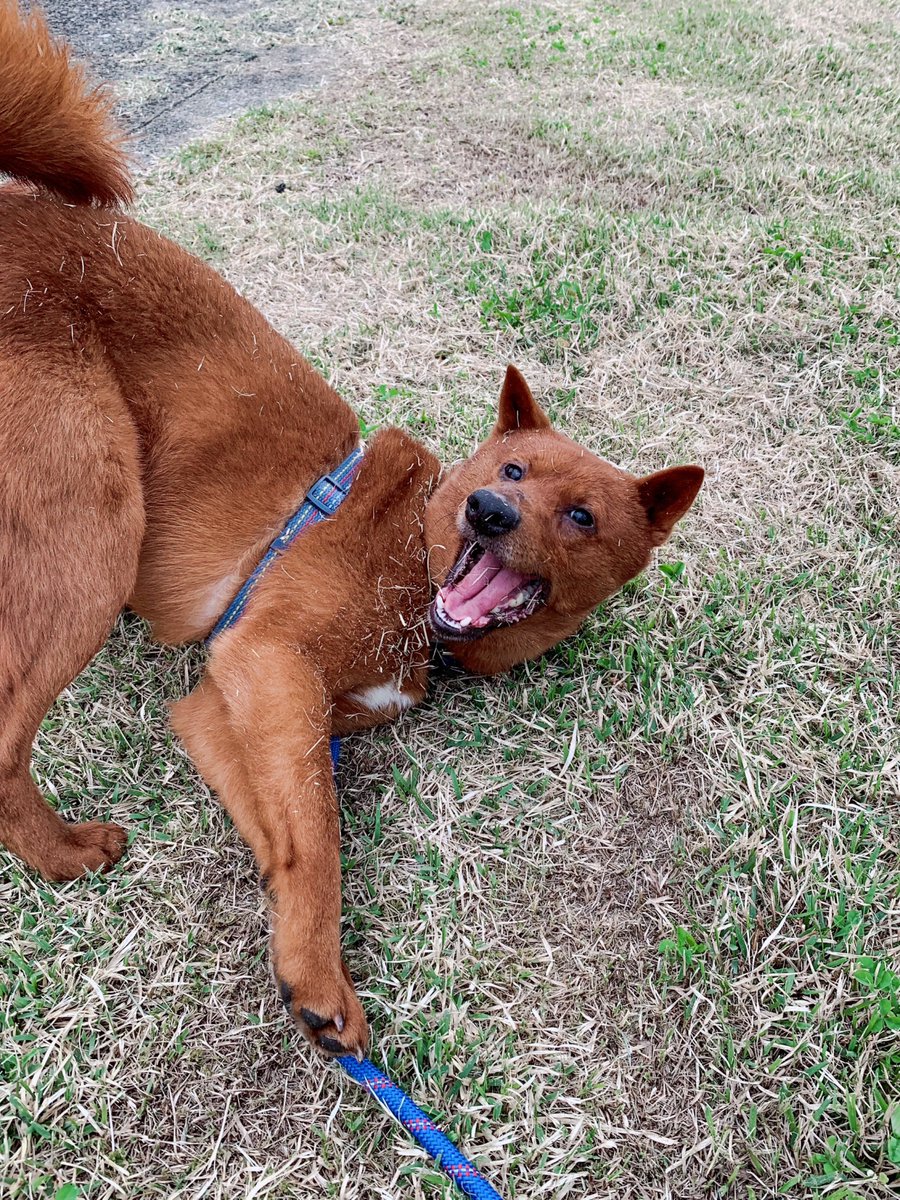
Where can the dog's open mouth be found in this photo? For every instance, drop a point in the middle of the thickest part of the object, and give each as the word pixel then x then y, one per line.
pixel 482 594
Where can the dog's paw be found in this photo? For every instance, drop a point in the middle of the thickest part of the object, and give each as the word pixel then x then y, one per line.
pixel 327 1010
pixel 93 846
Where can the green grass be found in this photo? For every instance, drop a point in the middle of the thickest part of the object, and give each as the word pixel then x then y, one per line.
pixel 627 919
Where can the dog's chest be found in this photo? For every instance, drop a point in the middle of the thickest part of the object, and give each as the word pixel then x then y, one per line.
pixel 387 697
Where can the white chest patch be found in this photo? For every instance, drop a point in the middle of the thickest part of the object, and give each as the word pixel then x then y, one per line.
pixel 381 697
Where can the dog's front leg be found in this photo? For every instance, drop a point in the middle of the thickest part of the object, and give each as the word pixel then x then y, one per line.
pixel 258 729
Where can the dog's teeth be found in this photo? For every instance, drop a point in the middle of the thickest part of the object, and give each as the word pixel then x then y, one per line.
pixel 465 622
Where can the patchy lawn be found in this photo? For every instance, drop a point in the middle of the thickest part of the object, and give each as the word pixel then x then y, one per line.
pixel 629 918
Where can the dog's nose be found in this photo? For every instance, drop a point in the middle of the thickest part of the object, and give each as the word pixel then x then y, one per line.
pixel 490 514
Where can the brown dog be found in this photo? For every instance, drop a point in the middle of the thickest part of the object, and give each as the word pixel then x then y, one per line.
pixel 155 435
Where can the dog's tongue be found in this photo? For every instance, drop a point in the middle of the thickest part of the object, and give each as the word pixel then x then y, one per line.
pixel 481 589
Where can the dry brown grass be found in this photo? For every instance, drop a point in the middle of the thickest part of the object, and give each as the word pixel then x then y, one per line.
pixel 627 918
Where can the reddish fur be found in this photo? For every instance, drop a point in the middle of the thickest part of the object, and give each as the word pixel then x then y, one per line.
pixel 155 433
pixel 54 130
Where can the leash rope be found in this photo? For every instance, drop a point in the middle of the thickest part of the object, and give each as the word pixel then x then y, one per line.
pixel 451 1161
pixel 464 1174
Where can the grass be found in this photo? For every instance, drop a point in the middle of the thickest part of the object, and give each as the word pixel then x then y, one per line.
pixel 629 918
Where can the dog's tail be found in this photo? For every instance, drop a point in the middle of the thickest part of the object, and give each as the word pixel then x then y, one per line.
pixel 55 130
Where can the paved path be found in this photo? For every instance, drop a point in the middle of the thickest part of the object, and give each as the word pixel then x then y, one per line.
pixel 177 68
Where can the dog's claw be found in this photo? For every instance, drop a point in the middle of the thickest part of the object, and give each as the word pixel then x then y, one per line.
pixel 287 995
pixel 339 1023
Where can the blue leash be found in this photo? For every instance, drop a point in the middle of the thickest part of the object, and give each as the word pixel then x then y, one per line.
pixel 322 500
pixel 464 1174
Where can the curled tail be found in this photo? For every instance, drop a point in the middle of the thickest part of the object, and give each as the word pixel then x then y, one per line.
pixel 55 130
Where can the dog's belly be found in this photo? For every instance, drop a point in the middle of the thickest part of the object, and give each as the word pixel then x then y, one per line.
pixel 210 605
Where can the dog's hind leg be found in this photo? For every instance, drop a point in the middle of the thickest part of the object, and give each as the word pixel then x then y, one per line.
pixel 71 524
pixel 31 829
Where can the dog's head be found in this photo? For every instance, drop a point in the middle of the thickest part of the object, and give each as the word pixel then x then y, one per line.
pixel 528 535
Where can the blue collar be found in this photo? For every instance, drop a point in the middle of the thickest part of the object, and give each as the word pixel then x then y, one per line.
pixel 322 500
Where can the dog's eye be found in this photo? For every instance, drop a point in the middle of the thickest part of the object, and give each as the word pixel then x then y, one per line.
pixel 512 471
pixel 581 517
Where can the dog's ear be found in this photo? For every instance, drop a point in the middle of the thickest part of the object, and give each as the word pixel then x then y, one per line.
pixel 518 409
pixel 666 496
